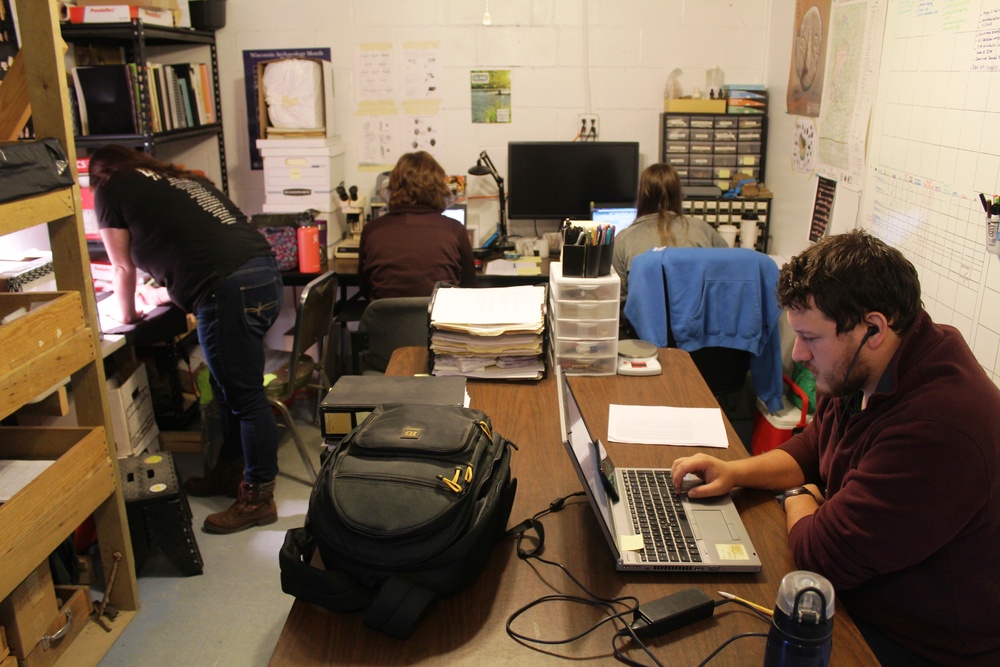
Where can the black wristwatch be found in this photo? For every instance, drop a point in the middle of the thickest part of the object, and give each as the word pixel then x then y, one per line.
pixel 797 491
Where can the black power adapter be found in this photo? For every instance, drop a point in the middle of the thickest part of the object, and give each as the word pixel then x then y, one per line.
pixel 672 612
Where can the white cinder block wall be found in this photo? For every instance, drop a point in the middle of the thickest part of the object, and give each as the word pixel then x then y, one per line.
pixel 606 57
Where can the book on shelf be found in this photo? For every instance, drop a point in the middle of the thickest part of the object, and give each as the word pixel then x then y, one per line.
pixel 105 99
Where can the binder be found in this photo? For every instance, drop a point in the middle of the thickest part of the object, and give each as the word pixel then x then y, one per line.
pixel 104 93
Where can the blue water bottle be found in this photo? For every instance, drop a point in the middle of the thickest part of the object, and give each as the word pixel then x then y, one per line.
pixel 802 627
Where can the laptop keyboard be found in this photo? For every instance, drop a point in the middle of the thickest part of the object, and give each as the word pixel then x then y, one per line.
pixel 657 515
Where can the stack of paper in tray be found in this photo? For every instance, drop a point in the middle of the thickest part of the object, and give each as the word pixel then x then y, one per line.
pixel 491 333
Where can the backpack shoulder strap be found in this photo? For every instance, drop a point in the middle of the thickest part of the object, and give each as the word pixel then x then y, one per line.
pixel 398 607
pixel 395 608
pixel 329 589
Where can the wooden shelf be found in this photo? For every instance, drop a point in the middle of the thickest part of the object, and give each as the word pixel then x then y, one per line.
pixel 31 211
pixel 54 338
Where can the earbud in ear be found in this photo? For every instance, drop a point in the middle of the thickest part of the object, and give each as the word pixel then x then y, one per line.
pixel 872 330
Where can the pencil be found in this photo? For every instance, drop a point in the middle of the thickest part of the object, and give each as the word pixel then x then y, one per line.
pixel 763 610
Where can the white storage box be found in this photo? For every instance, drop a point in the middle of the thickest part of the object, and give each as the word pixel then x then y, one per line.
pixel 302 172
pixel 132 416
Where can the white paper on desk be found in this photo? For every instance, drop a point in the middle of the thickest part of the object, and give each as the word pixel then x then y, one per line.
pixel 659 425
pixel 523 304
pixel 17 474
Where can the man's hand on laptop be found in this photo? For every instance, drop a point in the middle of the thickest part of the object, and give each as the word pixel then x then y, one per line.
pixel 719 475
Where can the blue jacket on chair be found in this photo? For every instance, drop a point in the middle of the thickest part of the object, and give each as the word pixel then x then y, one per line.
pixel 719 297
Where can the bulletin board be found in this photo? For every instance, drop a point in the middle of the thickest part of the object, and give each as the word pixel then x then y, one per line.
pixel 935 145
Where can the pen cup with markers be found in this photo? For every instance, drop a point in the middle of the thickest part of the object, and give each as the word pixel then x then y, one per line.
pixel 573 258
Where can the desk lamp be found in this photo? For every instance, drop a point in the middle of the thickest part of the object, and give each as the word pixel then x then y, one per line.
pixel 484 167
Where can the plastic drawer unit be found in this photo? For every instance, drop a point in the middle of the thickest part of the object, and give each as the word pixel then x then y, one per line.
pixel 583 322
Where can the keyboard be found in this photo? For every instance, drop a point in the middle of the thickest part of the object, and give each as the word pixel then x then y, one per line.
pixel 657 515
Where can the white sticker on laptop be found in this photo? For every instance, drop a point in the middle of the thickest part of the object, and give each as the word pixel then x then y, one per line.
pixel 732 552
pixel 631 542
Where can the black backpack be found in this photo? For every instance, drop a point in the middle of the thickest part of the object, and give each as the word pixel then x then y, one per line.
pixel 407 508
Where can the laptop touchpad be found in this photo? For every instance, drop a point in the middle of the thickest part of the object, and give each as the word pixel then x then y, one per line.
pixel 710 525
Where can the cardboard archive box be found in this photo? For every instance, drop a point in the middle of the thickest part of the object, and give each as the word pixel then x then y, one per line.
pixel 132 415
pixel 28 611
pixel 302 172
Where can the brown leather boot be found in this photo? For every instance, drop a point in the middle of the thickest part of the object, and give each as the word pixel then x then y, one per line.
pixel 222 480
pixel 254 506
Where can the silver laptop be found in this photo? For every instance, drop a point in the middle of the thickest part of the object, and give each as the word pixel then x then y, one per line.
pixel 648 526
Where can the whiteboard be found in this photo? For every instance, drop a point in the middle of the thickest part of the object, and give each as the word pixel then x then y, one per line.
pixel 935 145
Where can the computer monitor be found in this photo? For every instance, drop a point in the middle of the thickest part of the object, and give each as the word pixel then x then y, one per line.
pixel 456 212
pixel 559 179
pixel 619 215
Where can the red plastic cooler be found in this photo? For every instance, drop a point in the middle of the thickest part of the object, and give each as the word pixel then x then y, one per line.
pixel 772 429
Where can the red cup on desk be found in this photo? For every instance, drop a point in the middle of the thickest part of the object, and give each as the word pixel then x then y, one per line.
pixel 309 261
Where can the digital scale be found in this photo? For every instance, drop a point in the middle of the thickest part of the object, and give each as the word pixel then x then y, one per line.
pixel 637 357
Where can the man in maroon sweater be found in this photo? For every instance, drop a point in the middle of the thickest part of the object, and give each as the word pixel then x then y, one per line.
pixel 893 490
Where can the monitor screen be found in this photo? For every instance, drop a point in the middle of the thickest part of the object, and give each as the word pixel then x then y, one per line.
pixel 559 179
pixel 618 215
pixel 456 212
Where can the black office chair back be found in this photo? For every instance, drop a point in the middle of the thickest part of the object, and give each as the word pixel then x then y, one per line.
pixel 388 324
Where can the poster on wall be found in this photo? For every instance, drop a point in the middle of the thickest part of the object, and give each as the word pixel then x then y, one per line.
pixel 806 70
pixel 398 96
pixel 490 95
pixel 803 152
pixel 251 60
pixel 826 191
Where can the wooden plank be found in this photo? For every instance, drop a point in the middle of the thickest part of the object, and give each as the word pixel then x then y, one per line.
pixel 40 516
pixel 31 211
pixel 51 317
pixel 56 404
pixel 92 643
pixel 181 442
pixel 23 383
pixel 15 104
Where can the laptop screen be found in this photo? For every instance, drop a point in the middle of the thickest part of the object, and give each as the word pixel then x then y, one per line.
pixel 575 433
pixel 456 212
pixel 619 215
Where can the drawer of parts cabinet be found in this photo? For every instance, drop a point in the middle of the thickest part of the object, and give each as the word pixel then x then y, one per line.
pixel 588 365
pixel 562 328
pixel 567 347
pixel 585 310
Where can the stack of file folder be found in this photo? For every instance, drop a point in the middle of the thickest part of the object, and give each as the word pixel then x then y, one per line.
pixel 490 333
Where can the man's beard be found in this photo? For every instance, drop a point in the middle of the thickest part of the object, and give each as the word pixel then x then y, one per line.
pixel 844 379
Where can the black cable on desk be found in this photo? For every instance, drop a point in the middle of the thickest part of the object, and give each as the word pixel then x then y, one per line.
pixel 611 605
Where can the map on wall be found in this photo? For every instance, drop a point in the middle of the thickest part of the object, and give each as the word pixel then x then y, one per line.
pixel 934 149
pixel 853 48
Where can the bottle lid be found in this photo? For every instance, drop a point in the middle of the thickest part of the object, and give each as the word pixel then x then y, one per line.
pixel 811 607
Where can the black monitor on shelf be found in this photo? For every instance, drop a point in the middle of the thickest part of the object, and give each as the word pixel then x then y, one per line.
pixel 559 179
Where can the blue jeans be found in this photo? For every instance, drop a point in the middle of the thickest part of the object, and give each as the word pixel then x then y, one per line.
pixel 231 329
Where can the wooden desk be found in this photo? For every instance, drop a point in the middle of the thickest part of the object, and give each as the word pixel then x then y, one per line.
pixel 469 628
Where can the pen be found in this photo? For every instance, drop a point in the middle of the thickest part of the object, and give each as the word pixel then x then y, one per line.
pixel 752 605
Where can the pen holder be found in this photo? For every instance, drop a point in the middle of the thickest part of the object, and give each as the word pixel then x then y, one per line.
pixel 573 260
pixel 587 261
pixel 607 252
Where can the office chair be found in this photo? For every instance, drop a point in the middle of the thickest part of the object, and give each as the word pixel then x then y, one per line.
pixel 293 371
pixel 720 305
pixel 387 324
